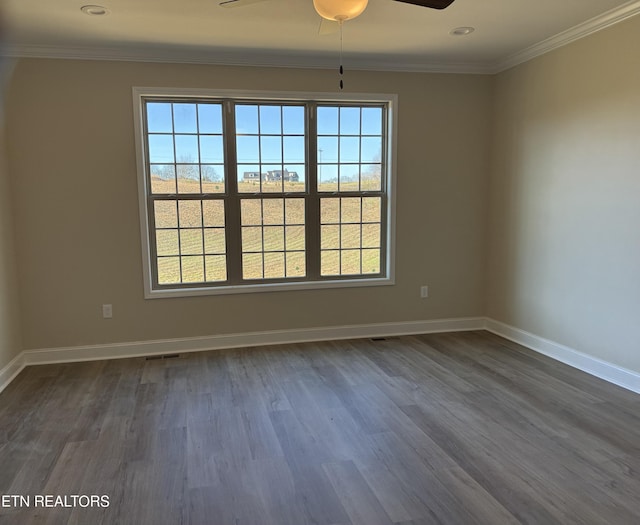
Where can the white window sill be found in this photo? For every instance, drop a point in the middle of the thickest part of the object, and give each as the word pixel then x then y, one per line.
pixel 266 287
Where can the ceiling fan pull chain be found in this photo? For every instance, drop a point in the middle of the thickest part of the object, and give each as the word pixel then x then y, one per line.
pixel 341 68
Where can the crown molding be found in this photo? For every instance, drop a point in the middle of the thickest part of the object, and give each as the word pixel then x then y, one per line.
pixel 244 59
pixel 595 24
pixel 255 58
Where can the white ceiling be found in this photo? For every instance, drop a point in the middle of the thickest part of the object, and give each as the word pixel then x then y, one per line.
pixel 388 35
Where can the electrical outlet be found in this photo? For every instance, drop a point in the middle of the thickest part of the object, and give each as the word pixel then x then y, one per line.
pixel 107 311
pixel 424 292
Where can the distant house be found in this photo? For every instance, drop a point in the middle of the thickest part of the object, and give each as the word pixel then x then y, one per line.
pixel 278 175
pixel 251 176
pixel 271 176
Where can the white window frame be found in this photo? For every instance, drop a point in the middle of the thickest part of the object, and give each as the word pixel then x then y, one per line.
pixel 391 102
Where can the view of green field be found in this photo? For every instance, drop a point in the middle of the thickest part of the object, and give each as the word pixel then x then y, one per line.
pixel 190 236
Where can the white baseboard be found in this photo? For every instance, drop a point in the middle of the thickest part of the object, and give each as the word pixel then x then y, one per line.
pixel 602 369
pixel 592 365
pixel 11 370
pixel 273 337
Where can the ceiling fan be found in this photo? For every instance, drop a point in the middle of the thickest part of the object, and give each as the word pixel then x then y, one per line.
pixel 342 10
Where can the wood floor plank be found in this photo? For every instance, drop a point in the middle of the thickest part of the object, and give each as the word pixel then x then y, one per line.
pixel 359 501
pixel 458 428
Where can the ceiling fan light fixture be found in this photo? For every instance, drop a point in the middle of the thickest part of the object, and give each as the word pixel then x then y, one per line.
pixel 340 10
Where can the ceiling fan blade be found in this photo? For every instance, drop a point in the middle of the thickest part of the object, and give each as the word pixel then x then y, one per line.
pixel 238 3
pixel 328 27
pixel 433 4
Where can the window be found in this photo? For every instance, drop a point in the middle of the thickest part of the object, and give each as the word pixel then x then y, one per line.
pixel 261 191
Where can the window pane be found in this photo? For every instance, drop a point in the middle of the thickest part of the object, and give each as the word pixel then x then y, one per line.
pixel 251 211
pixel 187 148
pixel 249 178
pixel 371 149
pixel 161 149
pixel 216 267
pixel 294 211
pixel 167 242
pixel 274 265
pixel 370 235
pixel 273 211
pixel 329 211
pixel 293 150
pixel 272 178
pixel 372 121
pixel 252 266
pixel 189 214
pixel 371 209
pixel 370 261
pixel 211 150
pixel 328 177
pixel 350 209
pixel 294 178
pixel 349 177
pixel 213 211
pixel 349 262
pixel 166 214
pixel 350 236
pixel 210 118
pixel 214 241
pixel 349 121
pixel 212 176
pixel 371 179
pixel 349 149
pixel 163 178
pixel 330 262
pixel 327 149
pixel 293 120
pixel 296 264
pixel 191 242
pixel 294 238
pixel 329 237
pixel 246 119
pixel 188 178
pixel 168 270
pixel 252 239
pixel 192 269
pixel 248 149
pixel 271 149
pixel 184 118
pixel 270 120
pixel 159 117
pixel 273 238
pixel 327 120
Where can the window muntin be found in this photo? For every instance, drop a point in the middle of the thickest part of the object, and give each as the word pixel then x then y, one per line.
pixel 350 147
pixel 270 148
pixel 273 238
pixel 190 241
pixel 185 147
pixel 350 235
pixel 274 221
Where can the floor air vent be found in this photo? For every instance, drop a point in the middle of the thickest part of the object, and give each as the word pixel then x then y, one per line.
pixel 166 356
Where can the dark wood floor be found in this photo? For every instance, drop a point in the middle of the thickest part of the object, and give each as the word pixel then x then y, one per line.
pixel 437 429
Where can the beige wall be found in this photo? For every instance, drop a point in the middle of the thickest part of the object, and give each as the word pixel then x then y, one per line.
pixel 10 341
pixel 73 170
pixel 564 260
